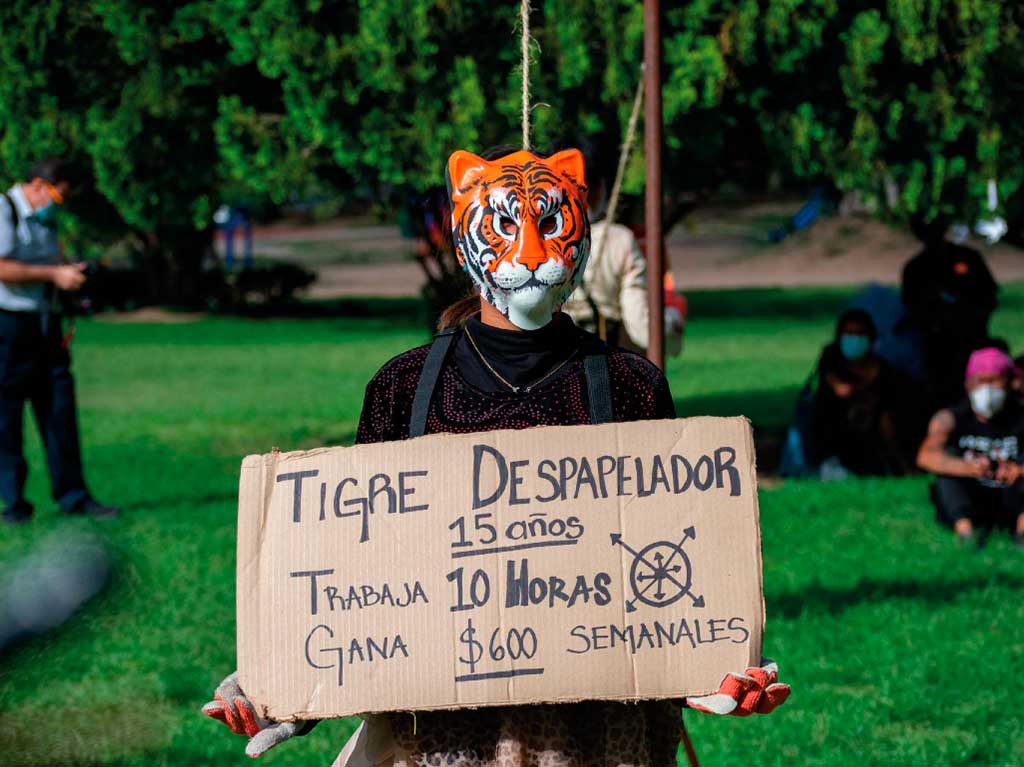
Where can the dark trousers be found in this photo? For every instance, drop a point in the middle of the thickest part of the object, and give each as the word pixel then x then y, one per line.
pixel 35 367
pixel 957 498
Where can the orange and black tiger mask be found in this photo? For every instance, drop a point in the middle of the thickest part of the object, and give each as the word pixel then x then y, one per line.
pixel 520 229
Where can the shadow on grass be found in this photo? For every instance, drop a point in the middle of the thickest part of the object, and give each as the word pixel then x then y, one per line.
pixel 72 735
pixel 408 311
pixel 769 410
pixel 804 304
pixel 343 437
pixel 818 599
pixel 172 502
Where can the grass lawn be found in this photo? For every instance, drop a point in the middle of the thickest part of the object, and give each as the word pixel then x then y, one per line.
pixel 901 649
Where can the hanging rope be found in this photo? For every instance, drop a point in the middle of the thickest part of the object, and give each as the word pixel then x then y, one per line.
pixel 524 22
pixel 620 171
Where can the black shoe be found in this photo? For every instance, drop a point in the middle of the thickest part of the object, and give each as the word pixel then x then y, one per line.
pixel 93 508
pixel 17 516
pixel 1018 540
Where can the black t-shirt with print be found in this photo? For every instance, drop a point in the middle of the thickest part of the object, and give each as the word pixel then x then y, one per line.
pixel 1001 438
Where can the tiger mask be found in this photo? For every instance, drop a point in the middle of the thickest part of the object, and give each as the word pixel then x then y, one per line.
pixel 520 229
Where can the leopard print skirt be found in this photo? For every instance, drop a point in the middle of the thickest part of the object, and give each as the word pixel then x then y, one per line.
pixel 589 734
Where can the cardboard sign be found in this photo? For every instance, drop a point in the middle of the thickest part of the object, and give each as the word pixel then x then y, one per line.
pixel 619 561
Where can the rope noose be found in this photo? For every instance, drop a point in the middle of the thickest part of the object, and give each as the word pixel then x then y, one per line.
pixel 524 22
pixel 627 146
pixel 620 171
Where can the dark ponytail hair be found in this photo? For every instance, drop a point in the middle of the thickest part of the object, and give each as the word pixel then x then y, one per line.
pixel 458 314
pixel 861 317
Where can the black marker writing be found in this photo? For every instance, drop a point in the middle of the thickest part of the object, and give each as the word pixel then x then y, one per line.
pixel 496 476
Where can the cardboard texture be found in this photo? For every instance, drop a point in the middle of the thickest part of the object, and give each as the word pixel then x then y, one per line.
pixel 619 561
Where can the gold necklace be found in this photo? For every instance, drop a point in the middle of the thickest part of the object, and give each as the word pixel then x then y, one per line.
pixel 500 377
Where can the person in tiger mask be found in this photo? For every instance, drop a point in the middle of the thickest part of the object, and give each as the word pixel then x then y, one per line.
pixel 505 357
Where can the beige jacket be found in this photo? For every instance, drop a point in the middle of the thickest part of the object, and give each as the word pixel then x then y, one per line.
pixel 616 279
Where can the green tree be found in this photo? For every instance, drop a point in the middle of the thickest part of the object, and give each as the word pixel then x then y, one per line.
pixel 130 91
pixel 173 107
pixel 905 101
pixel 910 96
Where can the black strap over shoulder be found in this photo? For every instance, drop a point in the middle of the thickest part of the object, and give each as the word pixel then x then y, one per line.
pixel 428 381
pixel 595 367
pixel 14 210
pixel 599 387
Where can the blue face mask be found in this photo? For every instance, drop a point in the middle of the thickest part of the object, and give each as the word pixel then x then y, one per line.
pixel 854 347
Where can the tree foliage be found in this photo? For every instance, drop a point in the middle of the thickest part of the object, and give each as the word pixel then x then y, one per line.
pixel 129 90
pixel 907 101
pixel 175 107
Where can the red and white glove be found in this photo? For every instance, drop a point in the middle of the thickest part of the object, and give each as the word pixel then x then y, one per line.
pixel 229 705
pixel 756 691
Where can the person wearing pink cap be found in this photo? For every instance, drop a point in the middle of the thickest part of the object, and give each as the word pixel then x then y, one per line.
pixel 974 449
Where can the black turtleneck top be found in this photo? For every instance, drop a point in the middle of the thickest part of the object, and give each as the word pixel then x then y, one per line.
pixel 470 398
pixel 521 357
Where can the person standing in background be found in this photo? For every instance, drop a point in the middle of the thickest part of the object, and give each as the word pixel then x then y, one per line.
pixel 34 361
pixel 230 219
pixel 949 294
pixel 611 302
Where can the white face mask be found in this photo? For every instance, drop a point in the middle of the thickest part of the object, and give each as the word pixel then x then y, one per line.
pixel 987 400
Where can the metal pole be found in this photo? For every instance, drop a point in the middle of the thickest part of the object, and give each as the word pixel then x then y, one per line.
pixel 691 753
pixel 652 149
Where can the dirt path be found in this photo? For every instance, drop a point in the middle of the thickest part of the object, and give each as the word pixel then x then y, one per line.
pixel 727 248
pixel 718 247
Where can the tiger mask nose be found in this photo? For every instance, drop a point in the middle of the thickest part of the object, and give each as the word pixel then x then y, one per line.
pixel 530 252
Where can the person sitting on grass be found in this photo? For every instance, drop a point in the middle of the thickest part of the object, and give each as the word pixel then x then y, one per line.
pixel 974 449
pixel 862 409
pixel 507 358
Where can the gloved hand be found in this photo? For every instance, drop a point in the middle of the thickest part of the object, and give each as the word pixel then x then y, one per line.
pixel 229 705
pixel 757 690
pixel 675 324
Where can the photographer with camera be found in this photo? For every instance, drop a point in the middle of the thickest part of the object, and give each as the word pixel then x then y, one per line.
pixel 34 361
pixel 975 451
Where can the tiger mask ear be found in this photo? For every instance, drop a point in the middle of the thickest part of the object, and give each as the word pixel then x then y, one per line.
pixel 464 168
pixel 570 163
